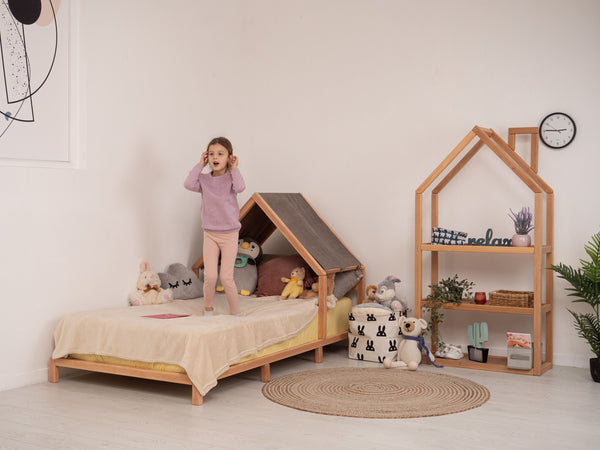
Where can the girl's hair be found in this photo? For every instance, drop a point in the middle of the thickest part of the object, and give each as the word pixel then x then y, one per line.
pixel 222 141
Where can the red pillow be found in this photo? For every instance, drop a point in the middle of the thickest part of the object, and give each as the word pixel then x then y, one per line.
pixel 270 273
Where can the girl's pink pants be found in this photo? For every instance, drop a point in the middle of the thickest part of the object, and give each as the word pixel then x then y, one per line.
pixel 227 245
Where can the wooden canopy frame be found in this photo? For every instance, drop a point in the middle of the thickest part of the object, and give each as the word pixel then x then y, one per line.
pixel 527 173
pixel 307 232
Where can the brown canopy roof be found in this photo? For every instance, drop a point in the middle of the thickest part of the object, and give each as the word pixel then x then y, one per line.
pixel 301 225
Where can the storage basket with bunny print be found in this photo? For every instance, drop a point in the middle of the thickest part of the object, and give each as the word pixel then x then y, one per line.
pixel 373 334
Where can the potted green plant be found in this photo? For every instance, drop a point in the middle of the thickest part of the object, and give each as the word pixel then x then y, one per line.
pixel 585 287
pixel 449 290
pixel 523 221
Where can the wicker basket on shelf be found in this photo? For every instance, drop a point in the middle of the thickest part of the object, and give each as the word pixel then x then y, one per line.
pixel 502 297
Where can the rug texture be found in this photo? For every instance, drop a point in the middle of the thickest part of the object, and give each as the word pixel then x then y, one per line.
pixel 376 393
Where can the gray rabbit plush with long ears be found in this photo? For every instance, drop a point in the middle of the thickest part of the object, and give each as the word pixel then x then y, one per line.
pixel 386 295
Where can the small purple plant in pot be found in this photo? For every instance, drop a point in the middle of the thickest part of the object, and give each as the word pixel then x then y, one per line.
pixel 523 221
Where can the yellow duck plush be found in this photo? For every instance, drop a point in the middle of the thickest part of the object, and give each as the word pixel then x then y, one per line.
pixel 295 284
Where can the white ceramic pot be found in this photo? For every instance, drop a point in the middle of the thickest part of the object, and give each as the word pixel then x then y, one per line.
pixel 521 240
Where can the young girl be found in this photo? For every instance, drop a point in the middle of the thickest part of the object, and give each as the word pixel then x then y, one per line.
pixel 220 217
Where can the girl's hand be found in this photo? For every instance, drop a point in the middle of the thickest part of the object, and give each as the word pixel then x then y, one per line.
pixel 204 159
pixel 233 162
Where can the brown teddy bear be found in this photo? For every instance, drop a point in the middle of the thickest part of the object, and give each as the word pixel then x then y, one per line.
pixel 313 292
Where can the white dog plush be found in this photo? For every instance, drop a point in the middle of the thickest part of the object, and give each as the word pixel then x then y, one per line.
pixel 409 349
pixel 148 289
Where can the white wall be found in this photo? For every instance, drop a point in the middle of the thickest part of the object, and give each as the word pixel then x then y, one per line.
pixel 352 103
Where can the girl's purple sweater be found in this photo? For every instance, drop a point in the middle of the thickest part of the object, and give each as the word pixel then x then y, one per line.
pixel 220 209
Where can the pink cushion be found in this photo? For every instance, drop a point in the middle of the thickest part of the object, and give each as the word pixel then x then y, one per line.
pixel 270 273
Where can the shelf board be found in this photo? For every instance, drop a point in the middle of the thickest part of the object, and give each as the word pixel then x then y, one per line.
pixel 484 249
pixel 493 364
pixel 469 306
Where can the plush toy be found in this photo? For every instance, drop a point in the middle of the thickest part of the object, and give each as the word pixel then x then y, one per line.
pixel 182 281
pixel 373 301
pixel 409 349
pixel 245 273
pixel 148 289
pixel 386 295
pixel 314 292
pixel 295 284
pixel 371 291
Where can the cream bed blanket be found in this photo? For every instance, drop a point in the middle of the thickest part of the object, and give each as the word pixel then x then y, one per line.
pixel 204 346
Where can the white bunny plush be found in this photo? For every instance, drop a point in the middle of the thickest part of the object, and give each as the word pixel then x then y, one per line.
pixel 148 289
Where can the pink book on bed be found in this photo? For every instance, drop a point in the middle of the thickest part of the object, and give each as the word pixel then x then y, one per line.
pixel 167 316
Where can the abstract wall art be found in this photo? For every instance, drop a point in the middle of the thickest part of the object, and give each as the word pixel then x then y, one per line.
pixel 34 81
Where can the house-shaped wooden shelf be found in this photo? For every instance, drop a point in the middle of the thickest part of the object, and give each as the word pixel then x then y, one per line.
pixel 527 173
pixel 308 234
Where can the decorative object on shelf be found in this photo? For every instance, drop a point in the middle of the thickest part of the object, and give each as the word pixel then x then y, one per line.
pixel 442 236
pixel 478 334
pixel 585 287
pixel 449 290
pixel 557 130
pixel 523 221
pixel 522 340
pixel 450 351
pixel 480 298
pixel 519 353
pixel 518 299
pixel 496 242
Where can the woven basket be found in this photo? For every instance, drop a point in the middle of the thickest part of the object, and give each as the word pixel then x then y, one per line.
pixel 522 299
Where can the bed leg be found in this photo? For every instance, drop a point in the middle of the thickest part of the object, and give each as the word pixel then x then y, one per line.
pixel 52 371
pixel 319 355
pixel 265 373
pixel 197 398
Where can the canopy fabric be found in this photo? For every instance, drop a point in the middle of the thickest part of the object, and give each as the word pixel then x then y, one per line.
pixel 300 224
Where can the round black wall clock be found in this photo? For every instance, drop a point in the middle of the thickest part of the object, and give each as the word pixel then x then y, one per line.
pixel 557 130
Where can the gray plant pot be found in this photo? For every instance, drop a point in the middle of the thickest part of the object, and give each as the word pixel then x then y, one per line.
pixel 595 369
pixel 478 354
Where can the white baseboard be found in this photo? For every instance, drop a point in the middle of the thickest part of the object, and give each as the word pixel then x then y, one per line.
pixel 571 360
pixel 13 381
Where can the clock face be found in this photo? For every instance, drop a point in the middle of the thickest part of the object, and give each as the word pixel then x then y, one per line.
pixel 557 130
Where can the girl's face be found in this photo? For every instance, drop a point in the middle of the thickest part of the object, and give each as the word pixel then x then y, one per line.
pixel 218 159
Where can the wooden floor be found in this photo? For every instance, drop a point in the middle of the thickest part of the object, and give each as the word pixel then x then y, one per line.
pixel 558 410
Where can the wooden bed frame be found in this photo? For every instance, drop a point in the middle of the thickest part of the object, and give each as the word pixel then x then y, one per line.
pixel 319 246
pixel 181 378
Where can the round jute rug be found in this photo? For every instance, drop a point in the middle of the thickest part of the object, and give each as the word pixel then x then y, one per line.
pixel 376 393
